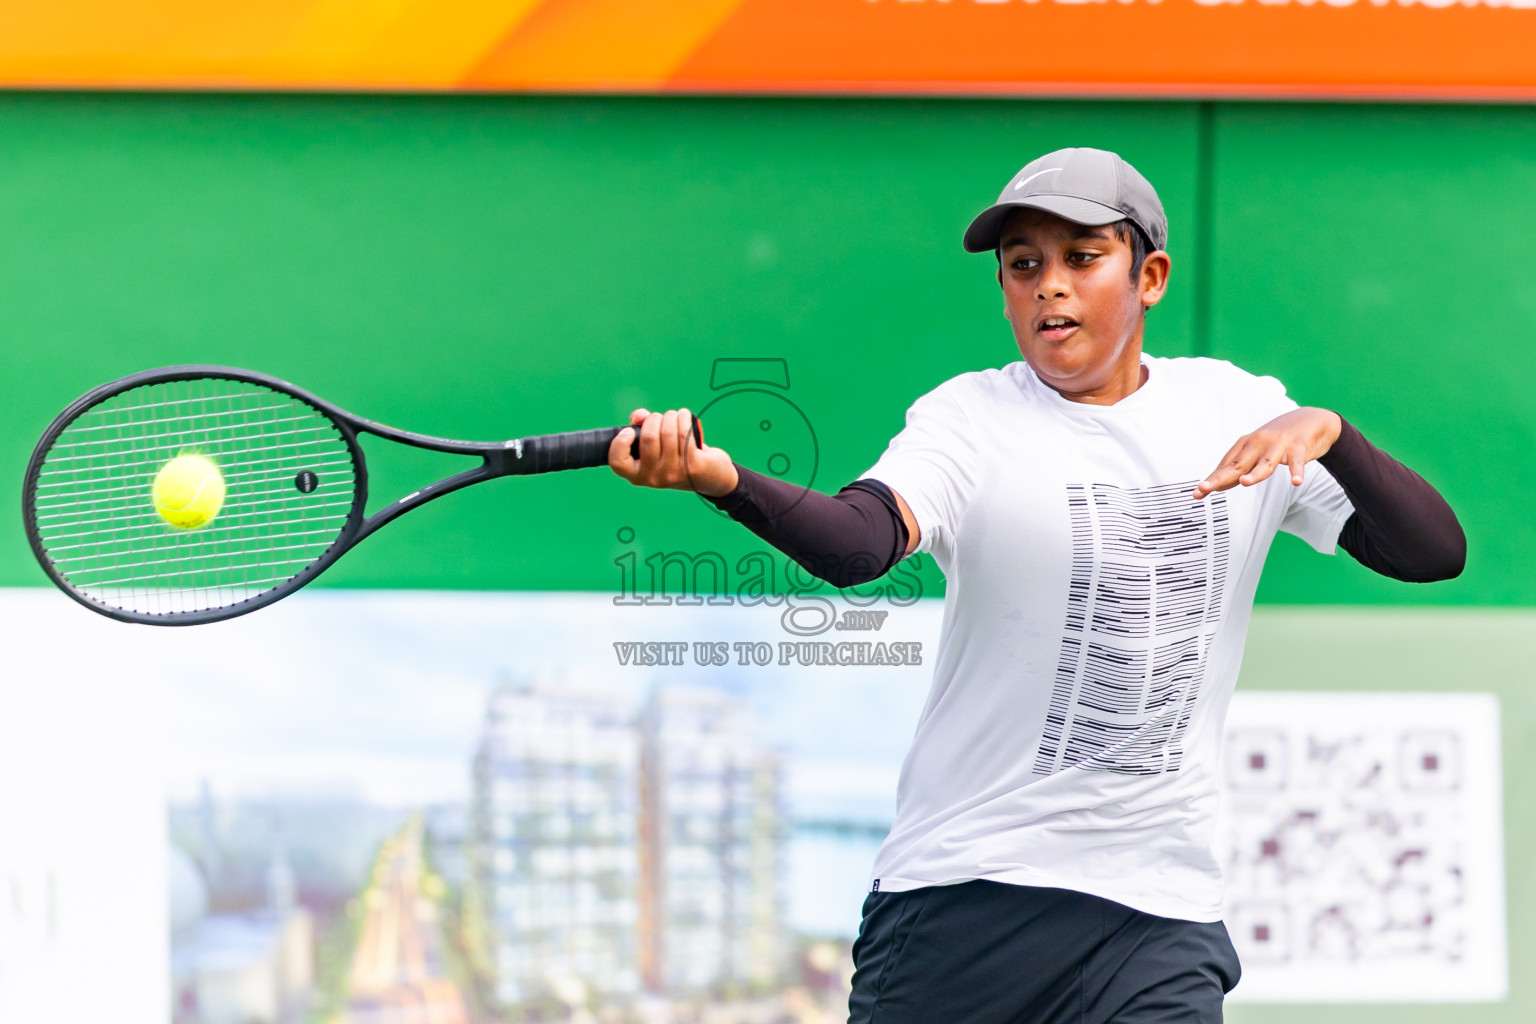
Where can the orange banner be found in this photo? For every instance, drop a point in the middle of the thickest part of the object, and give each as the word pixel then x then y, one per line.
pixel 1453 49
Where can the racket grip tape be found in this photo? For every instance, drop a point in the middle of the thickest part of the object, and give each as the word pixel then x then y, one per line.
pixel 577 449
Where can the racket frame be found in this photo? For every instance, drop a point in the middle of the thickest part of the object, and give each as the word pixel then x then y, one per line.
pixel 498 458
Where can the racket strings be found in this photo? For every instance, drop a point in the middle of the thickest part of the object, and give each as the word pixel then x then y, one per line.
pixel 112 487
pixel 94 511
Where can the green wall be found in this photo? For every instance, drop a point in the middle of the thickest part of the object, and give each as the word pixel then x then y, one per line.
pixel 494 266
pixel 1380 261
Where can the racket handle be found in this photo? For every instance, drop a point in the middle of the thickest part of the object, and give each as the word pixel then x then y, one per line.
pixel 577 449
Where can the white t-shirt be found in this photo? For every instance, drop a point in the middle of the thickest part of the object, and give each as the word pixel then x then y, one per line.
pixel 1093 628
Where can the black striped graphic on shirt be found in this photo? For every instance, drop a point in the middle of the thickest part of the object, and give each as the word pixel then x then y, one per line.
pixel 1144 597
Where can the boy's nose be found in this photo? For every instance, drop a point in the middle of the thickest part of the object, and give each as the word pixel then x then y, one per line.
pixel 1053 281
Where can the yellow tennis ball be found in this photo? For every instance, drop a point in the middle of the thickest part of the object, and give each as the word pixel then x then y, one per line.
pixel 188 491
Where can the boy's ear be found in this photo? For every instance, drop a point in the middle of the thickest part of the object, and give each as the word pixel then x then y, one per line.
pixel 1154 278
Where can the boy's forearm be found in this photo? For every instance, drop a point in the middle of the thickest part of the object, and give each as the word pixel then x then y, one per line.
pixel 1402 527
pixel 847 539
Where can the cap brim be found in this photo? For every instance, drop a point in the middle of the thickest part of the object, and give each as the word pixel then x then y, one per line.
pixel 981 236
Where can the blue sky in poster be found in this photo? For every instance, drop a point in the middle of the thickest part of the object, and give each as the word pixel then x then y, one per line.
pixel 379 696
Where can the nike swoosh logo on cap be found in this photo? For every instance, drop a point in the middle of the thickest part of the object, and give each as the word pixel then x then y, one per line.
pixel 1032 177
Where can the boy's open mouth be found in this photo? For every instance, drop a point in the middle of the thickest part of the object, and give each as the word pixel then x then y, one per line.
pixel 1054 328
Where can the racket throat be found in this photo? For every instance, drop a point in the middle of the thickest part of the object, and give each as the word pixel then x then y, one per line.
pixel 417 498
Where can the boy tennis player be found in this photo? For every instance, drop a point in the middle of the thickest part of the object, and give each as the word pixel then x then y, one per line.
pixel 1050 859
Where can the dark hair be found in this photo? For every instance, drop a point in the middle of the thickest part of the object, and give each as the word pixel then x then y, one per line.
pixel 1131 235
pixel 1127 232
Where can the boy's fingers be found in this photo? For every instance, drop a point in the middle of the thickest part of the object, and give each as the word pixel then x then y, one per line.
pixel 684 433
pixel 1252 460
pixel 1260 468
pixel 671 436
pixel 1225 475
pixel 619 459
pixel 668 438
pixel 650 438
pixel 664 440
pixel 1297 460
pixel 1223 479
pixel 1220 480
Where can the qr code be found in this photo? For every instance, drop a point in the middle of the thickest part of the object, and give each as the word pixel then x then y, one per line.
pixel 1361 843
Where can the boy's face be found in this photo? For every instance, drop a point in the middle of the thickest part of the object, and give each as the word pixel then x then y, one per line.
pixel 1075 310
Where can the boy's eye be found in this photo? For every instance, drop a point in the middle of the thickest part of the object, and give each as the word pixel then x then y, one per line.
pixel 1025 263
pixel 1082 257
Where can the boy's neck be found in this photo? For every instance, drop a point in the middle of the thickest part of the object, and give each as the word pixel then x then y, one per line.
pixel 1128 376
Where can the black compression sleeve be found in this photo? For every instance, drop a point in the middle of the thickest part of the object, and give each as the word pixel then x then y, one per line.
pixel 847 539
pixel 1402 527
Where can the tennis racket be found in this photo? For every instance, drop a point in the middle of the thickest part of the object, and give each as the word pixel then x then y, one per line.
pixel 295 488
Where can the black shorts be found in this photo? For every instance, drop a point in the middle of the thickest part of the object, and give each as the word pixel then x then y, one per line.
pixel 989 953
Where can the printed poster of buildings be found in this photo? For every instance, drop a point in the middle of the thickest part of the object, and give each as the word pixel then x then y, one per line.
pixel 446 807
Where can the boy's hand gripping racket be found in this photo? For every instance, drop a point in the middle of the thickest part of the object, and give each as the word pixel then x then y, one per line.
pixel 197 493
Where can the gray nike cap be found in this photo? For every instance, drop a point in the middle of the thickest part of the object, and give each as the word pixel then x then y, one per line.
pixel 1084 186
